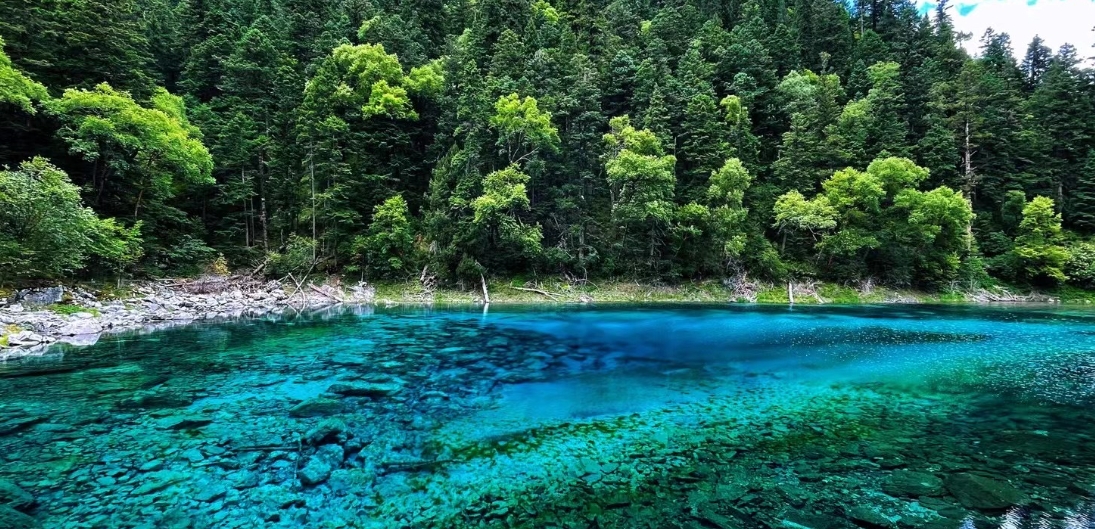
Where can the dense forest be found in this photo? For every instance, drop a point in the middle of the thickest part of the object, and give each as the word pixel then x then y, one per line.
pixel 660 141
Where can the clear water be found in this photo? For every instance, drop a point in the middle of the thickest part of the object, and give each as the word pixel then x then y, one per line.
pixel 613 416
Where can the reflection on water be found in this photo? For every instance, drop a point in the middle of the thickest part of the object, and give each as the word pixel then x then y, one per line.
pixel 614 416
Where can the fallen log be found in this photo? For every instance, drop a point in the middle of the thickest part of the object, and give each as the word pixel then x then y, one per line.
pixel 324 293
pixel 545 293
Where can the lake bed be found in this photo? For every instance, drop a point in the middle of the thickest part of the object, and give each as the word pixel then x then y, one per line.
pixel 606 416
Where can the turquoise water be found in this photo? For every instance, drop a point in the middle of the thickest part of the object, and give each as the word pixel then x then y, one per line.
pixel 612 416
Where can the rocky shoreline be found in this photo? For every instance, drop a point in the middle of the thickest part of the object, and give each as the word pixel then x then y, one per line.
pixel 34 319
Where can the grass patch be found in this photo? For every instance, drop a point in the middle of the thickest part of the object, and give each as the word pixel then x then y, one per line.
pixel 68 310
pixel 1071 294
pixel 5 332
pixel 951 296
pixel 773 294
pixel 840 294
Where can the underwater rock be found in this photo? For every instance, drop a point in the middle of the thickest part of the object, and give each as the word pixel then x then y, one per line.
pixel 318 407
pixel 795 519
pixel 210 492
pixel 19 424
pixel 348 359
pixel 350 480
pixel 157 399
pixel 328 431
pixel 320 465
pixel 983 493
pixel 158 481
pixel 912 484
pixel 194 455
pixel 864 516
pixel 152 466
pixel 15 497
pixel 13 519
pixel 185 423
pixel 366 389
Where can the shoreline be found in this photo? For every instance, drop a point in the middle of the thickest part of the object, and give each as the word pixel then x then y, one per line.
pixel 76 316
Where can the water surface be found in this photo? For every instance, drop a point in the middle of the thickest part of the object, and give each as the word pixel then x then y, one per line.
pixel 614 416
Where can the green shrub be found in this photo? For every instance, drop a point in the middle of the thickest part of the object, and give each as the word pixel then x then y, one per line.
pixel 68 310
pixel 1080 267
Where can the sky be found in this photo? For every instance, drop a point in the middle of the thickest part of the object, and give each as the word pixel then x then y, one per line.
pixel 1056 21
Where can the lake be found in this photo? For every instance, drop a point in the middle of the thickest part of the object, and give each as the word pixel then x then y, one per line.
pixel 611 416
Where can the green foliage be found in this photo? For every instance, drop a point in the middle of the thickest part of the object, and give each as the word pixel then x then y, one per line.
pixel 364 77
pixel 68 310
pixel 1038 249
pixel 815 216
pixel 45 231
pixel 931 229
pixel 877 216
pixel 16 88
pixel 297 256
pixel 387 248
pixel 523 129
pixel 140 159
pixel 726 195
pixel 497 214
pixel 642 181
pixel 1080 267
pixel 815 138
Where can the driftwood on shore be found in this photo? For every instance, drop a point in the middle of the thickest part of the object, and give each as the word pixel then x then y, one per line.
pixel 213 284
pixel 544 293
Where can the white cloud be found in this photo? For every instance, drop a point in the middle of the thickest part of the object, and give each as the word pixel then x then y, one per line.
pixel 1056 21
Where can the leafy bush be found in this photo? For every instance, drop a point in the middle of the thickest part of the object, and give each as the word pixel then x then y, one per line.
pixel 45 231
pixel 1038 249
pixel 1080 267
pixel 386 250
pixel 296 257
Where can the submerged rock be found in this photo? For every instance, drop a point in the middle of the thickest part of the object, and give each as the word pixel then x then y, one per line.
pixel 864 516
pixel 318 407
pixel 328 431
pixel 974 491
pixel 157 399
pixel 320 465
pixel 912 484
pixel 19 424
pixel 158 481
pixel 185 423
pixel 366 389
pixel 15 497
pixel 13 519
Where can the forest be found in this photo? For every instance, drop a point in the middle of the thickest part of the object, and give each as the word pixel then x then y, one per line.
pixel 660 141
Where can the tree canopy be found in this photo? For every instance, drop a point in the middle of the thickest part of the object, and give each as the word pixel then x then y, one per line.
pixel 661 141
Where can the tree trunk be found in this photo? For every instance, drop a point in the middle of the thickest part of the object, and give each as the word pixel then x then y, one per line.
pixel 246 229
pixel 262 205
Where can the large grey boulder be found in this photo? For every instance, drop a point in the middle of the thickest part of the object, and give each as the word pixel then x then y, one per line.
pixel 80 327
pixel 40 296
